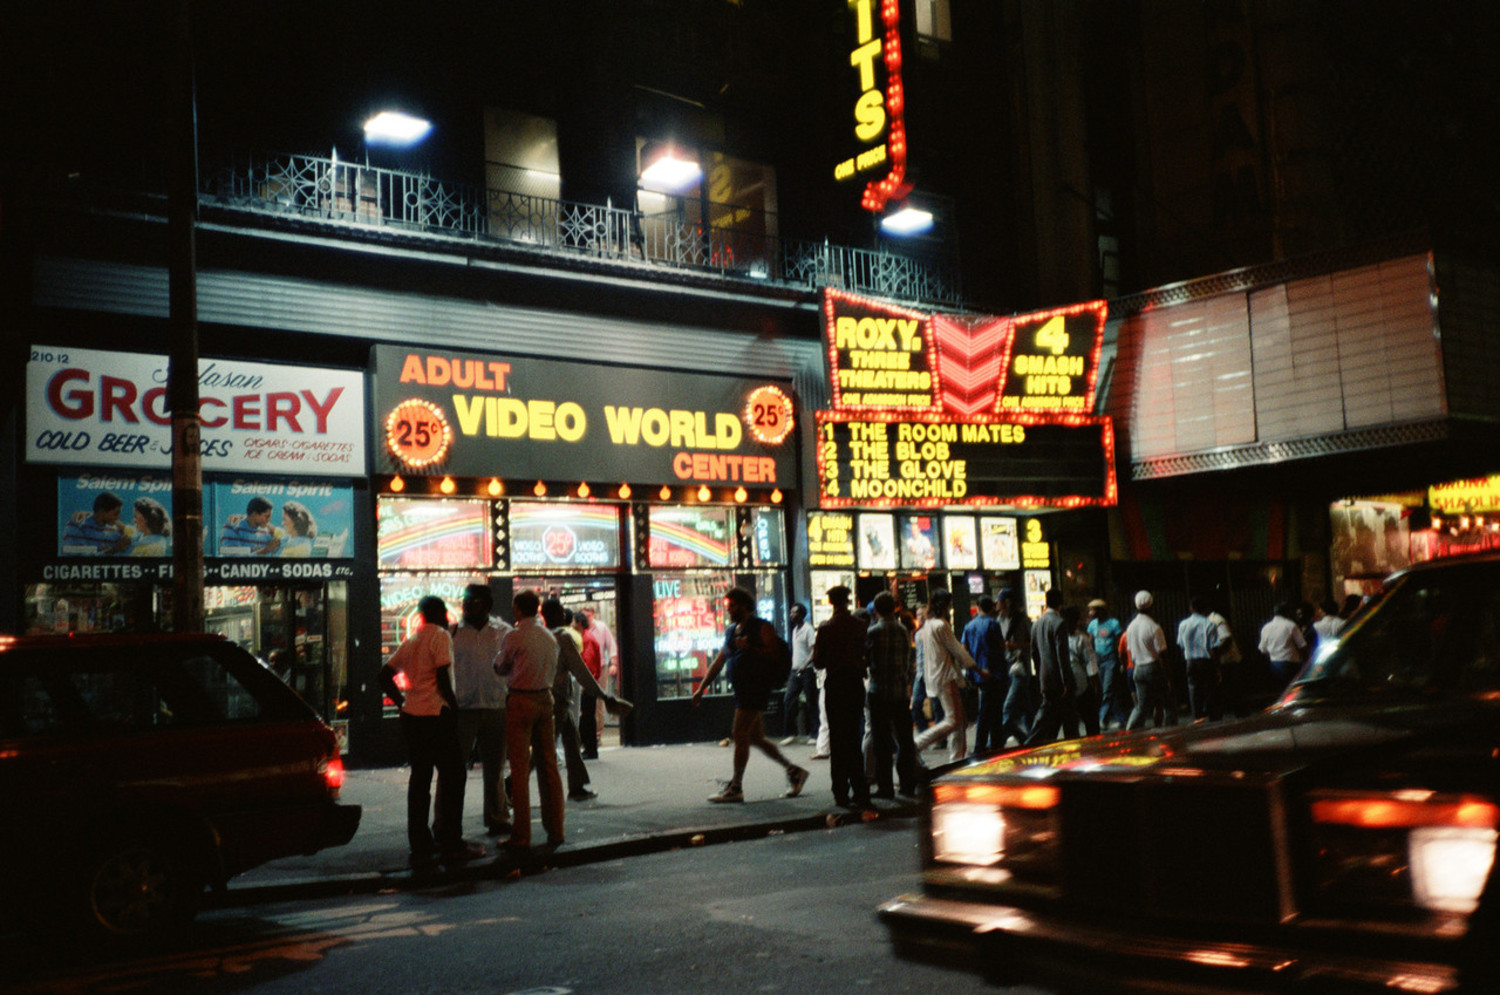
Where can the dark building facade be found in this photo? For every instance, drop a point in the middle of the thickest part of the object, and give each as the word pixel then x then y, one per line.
pixel 1280 203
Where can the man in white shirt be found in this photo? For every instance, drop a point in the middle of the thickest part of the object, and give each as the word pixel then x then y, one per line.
pixel 1283 645
pixel 944 660
pixel 528 659
pixel 1147 644
pixel 1198 638
pixel 801 686
pixel 481 703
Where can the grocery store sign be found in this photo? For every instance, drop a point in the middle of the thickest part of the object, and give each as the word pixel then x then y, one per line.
pixel 516 417
pixel 86 406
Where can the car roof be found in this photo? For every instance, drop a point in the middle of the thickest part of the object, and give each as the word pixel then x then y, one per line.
pixel 1458 562
pixel 104 639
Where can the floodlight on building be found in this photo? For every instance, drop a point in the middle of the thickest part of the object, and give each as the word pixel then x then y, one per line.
pixel 396 129
pixel 906 221
pixel 668 169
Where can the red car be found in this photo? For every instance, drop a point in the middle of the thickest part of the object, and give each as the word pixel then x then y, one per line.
pixel 136 770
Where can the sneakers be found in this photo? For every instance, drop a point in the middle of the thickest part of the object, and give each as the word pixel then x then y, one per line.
pixel 796 777
pixel 788 741
pixel 730 793
pixel 582 795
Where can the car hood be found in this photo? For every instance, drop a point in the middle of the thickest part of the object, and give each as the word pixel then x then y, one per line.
pixel 1277 742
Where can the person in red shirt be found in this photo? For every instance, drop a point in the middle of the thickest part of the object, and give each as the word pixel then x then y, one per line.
pixel 588 707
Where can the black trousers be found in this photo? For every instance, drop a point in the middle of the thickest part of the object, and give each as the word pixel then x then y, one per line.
pixel 432 744
pixel 844 695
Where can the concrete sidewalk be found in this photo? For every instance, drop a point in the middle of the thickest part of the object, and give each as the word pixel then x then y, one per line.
pixel 650 799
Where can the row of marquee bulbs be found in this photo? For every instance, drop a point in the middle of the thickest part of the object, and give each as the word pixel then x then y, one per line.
pixel 495 488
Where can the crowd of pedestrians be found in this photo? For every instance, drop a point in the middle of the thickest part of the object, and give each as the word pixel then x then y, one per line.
pixel 871 689
pixel 505 692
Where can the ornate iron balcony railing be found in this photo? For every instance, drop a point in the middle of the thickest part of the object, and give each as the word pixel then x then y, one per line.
pixel 351 193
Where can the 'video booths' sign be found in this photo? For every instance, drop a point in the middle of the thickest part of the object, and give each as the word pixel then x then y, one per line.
pixel 86 406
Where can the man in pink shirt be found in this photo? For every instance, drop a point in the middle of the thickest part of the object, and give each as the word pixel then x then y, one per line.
pixel 429 723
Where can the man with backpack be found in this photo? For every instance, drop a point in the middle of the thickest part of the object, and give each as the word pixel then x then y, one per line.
pixel 839 651
pixel 755 656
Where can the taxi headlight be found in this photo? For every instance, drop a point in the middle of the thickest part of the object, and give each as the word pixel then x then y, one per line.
pixel 1449 866
pixel 1404 848
pixel 984 825
pixel 968 834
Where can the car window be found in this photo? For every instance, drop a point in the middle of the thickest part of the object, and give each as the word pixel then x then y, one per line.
pixel 1436 631
pixel 38 713
pixel 229 698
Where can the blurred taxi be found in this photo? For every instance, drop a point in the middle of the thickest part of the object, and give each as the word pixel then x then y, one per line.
pixel 1343 840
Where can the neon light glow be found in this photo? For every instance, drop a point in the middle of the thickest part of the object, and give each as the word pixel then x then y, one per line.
pixel 878 114
pixel 903 459
pixel 880 357
pixel 417 433
pixel 1052 359
pixel 769 415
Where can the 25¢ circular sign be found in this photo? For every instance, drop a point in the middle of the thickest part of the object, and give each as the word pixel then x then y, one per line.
pixel 417 433
pixel 768 415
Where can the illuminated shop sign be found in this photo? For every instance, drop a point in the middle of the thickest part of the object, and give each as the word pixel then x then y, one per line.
pixel 690 537
pixel 894 460
pixel 110 409
pixel 564 535
pixel 483 416
pixel 1053 360
pixel 1480 496
pixel 880 357
pixel 424 534
pixel 830 539
pixel 879 104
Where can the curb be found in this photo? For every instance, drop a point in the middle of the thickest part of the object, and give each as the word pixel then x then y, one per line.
pixel 504 866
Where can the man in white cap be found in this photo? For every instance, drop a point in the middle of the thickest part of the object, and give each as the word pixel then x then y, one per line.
pixel 1147 644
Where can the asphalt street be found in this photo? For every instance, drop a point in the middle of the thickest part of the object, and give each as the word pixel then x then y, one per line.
pixel 785 913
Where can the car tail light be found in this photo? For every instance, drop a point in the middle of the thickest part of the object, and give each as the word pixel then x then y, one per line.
pixel 332 769
pixel 1404 848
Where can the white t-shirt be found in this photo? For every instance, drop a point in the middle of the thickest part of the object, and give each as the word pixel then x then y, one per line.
pixel 1145 640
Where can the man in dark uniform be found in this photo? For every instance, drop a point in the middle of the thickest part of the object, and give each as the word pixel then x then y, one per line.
pixel 839 651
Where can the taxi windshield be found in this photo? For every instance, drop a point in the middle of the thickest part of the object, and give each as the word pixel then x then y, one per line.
pixel 1428 632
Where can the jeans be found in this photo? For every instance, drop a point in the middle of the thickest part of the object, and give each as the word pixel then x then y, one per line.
pixel 1150 696
pixel 529 728
pixel 801 695
pixel 1015 714
pixel 432 744
pixel 1114 691
pixel 990 730
pixel 1203 689
pixel 918 696
pixel 890 733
